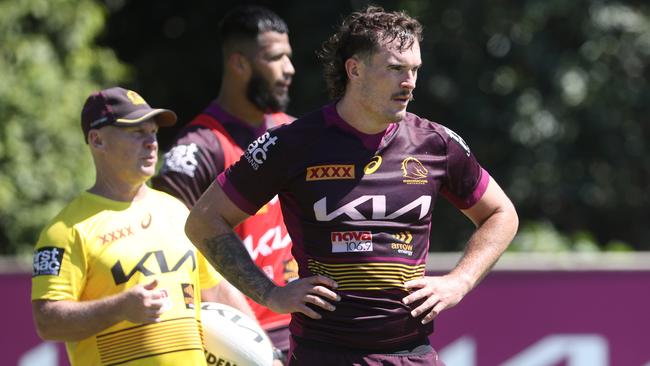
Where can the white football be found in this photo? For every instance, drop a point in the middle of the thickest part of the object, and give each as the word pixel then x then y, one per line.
pixel 233 338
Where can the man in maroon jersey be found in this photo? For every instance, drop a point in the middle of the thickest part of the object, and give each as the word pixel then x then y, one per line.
pixel 357 181
pixel 253 96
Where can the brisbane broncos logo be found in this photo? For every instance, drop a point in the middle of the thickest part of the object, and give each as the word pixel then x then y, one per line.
pixel 135 98
pixel 414 171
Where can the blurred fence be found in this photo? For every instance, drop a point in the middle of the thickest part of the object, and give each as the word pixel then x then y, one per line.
pixel 532 310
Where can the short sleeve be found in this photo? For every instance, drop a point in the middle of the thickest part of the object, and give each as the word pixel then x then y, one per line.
pixel 190 166
pixel 59 264
pixel 259 174
pixel 466 180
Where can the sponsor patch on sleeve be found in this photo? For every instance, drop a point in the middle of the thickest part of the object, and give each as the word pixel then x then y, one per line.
pixel 47 261
pixel 182 159
pixel 456 137
pixel 257 151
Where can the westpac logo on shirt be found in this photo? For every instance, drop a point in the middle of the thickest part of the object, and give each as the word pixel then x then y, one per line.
pixel 256 152
pixel 47 261
pixel 351 241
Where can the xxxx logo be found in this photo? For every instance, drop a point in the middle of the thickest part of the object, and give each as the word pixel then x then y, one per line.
pixel 116 235
pixel 330 172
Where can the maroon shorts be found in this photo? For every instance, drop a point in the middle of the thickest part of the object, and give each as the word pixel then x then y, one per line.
pixel 313 354
pixel 280 338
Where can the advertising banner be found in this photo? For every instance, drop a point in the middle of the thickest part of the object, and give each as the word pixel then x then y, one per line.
pixel 513 318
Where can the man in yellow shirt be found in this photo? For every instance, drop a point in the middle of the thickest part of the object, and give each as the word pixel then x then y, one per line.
pixel 114 275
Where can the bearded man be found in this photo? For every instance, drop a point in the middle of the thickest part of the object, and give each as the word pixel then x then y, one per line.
pixel 254 94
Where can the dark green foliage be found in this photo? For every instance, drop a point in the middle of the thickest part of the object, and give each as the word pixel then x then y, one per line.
pixel 551 95
pixel 48 65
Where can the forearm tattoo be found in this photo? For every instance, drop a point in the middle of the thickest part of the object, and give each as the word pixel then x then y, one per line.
pixel 228 255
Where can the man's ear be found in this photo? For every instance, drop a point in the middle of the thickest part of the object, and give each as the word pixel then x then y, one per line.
pixel 239 64
pixel 353 67
pixel 95 139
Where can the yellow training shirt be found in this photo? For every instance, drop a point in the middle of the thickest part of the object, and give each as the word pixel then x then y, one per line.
pixel 96 247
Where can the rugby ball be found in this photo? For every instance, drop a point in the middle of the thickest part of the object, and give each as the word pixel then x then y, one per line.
pixel 233 338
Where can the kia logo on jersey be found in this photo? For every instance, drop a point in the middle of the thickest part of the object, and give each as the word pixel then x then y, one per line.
pixel 147 267
pixel 268 242
pixel 351 241
pixel 378 208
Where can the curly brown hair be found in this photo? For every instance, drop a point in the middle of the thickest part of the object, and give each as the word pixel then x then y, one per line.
pixel 361 34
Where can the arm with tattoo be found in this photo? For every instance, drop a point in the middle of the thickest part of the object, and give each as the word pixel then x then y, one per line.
pixel 228 255
pixel 209 227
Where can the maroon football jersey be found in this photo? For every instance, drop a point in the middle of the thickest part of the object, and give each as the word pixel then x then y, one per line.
pixel 358 209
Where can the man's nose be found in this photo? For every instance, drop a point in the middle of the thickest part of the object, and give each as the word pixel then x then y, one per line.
pixel 288 68
pixel 410 80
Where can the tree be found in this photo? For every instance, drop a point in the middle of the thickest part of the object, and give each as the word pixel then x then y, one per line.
pixel 49 64
pixel 552 95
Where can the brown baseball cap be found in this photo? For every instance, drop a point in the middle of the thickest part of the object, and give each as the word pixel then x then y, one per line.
pixel 120 107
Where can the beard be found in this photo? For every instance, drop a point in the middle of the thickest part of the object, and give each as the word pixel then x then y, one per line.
pixel 260 93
